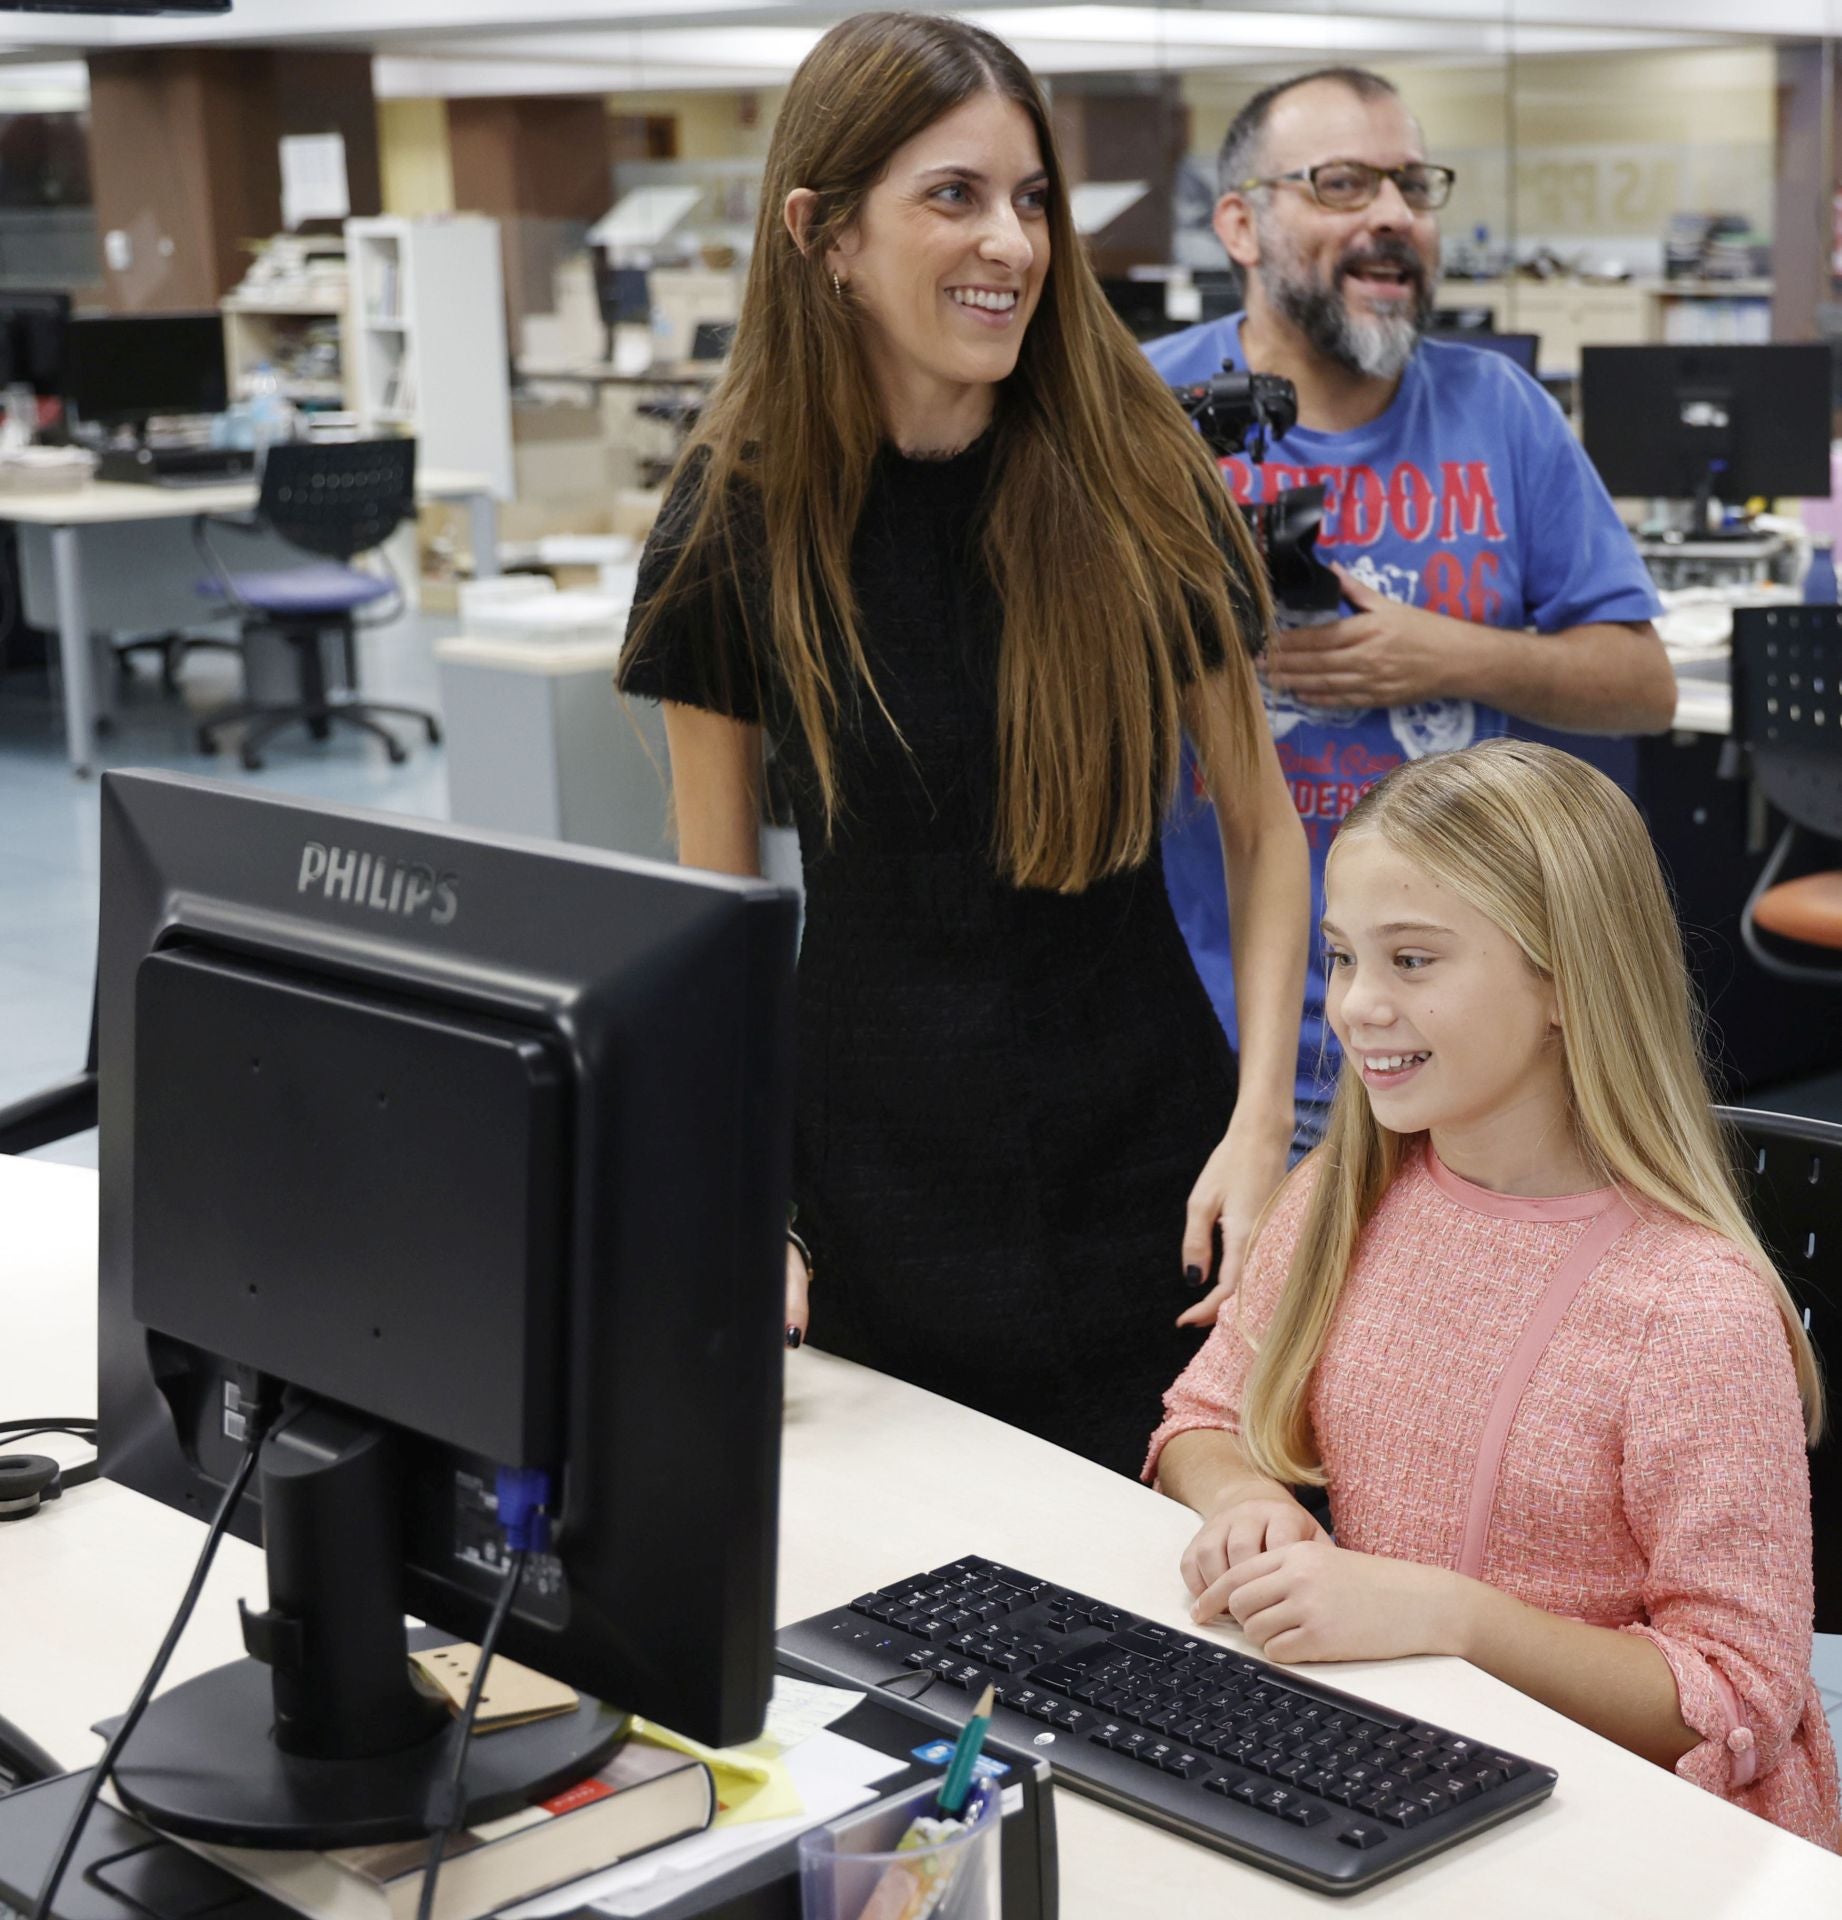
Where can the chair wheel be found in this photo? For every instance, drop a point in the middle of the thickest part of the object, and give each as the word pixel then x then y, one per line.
pixel 251 759
pixel 396 753
pixel 434 728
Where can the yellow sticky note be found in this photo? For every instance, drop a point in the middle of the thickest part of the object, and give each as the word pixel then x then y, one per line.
pixel 752 1782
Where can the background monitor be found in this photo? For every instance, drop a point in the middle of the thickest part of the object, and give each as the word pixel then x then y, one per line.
pixel 32 336
pixel 480 1147
pixel 1218 291
pixel 126 368
pixel 1463 320
pixel 1140 304
pixel 623 295
pixel 1522 348
pixel 1726 423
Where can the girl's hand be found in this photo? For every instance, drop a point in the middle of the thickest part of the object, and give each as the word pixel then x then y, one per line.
pixel 1315 1601
pixel 1231 1192
pixel 1241 1532
pixel 799 1312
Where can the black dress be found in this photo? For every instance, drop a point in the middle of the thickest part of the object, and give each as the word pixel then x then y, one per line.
pixel 1005 1095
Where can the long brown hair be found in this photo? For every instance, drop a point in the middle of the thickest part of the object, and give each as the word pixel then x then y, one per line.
pixel 1107 521
pixel 1550 851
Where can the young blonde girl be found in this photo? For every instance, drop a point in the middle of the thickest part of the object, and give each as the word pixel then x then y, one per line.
pixel 1512 1313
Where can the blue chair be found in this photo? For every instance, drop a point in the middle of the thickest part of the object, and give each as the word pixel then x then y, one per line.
pixel 335 500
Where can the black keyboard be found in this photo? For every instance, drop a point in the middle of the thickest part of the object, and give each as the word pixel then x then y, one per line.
pixel 1319 1786
pixel 177 466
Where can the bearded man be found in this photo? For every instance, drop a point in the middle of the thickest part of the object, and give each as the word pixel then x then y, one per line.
pixel 1488 584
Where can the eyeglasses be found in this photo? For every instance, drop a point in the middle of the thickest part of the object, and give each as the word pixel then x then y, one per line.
pixel 1347 186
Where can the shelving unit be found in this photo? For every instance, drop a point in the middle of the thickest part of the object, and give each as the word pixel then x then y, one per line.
pixel 1569 314
pixel 284 336
pixel 426 352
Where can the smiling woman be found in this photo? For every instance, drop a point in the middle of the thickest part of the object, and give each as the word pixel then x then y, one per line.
pixel 944 539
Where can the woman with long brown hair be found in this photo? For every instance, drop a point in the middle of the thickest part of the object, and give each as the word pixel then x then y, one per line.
pixel 944 538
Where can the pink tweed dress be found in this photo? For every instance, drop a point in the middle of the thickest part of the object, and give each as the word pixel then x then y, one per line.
pixel 1590 1407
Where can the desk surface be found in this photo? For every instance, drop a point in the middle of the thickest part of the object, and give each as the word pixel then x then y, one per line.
pixel 90 1583
pixel 104 501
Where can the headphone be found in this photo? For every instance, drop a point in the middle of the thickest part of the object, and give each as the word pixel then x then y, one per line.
pixel 28 1480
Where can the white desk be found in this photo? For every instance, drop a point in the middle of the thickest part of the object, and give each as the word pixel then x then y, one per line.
pixel 65 516
pixel 91 1581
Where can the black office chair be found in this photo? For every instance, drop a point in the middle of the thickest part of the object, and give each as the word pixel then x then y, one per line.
pixel 1787 718
pixel 337 500
pixel 54 1112
pixel 1791 1176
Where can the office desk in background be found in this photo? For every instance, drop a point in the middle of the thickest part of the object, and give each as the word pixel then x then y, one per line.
pixel 91 1581
pixel 102 549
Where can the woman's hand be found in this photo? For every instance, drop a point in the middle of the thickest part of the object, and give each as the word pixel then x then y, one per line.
pixel 1231 1192
pixel 1311 1600
pixel 1240 1532
pixel 798 1283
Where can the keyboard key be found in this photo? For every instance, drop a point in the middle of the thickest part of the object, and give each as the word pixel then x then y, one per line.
pixel 1457 1789
pixel 1508 1765
pixel 1372 1800
pixel 1278 1800
pixel 1186 1765
pixel 1043 1708
pixel 1363 1836
pixel 1402 1813
pixel 1247 1791
pixel 918 1660
pixel 1223 1783
pixel 1305 1814
pixel 1155 1752
pixel 1150 1643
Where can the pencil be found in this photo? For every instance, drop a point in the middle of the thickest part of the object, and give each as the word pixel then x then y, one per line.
pixel 958 1783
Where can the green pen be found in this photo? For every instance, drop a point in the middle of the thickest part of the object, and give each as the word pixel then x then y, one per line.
pixel 958 1783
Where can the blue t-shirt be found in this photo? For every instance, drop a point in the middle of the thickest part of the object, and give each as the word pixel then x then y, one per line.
pixel 1468 496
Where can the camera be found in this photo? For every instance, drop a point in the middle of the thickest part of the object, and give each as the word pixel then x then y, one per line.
pixel 1241 413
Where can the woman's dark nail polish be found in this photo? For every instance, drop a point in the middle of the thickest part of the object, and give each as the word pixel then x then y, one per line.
pixel 793 1336
pixel 1193 1275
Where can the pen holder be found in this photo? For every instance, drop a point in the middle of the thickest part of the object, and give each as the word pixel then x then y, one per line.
pixel 851 1869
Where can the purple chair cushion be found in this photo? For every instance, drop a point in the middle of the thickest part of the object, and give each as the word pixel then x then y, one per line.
pixel 304 591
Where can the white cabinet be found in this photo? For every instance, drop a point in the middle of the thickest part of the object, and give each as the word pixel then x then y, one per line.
pixel 426 350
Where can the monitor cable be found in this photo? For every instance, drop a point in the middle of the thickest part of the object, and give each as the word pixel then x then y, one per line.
pixel 258 1397
pixel 447 1805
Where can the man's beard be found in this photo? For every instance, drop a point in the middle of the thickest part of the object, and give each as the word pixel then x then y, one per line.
pixel 1378 345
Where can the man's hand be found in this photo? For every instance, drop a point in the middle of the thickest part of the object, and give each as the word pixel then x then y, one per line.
pixel 1315 1601
pixel 1386 654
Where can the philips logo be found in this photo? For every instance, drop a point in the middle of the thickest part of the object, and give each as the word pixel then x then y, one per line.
pixel 402 887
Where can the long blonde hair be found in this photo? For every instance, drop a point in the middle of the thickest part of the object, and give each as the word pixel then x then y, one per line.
pixel 1107 520
pixel 1550 851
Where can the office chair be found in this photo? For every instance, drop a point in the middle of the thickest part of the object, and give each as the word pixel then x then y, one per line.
pixel 337 500
pixel 172 649
pixel 54 1112
pixel 1791 1178
pixel 1787 716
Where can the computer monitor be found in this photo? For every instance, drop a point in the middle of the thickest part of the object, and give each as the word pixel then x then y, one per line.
pixel 123 369
pixel 478 1148
pixel 1463 320
pixel 1522 348
pixel 1218 291
pixel 623 295
pixel 33 327
pixel 711 340
pixel 1702 423
pixel 1140 304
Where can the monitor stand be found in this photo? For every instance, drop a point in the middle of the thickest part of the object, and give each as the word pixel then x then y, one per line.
pixel 320 1739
